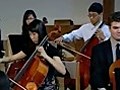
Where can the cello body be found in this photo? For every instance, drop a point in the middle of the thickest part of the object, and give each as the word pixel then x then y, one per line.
pixel 14 68
pixel 34 75
pixel 85 62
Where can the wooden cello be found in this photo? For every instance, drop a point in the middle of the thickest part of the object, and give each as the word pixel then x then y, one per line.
pixel 55 33
pixel 85 62
pixel 33 71
pixel 84 59
pixel 112 68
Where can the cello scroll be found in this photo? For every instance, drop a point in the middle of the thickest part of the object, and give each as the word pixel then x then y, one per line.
pixel 112 68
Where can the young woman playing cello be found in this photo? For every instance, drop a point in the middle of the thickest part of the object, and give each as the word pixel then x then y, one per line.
pixel 37 32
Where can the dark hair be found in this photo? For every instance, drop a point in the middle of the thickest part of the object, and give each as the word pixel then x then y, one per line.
pixel 39 27
pixel 24 26
pixel 115 16
pixel 96 7
pixel 26 15
pixel 44 19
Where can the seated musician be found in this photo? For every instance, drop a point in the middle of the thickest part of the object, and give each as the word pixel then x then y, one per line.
pixel 37 32
pixel 104 54
pixel 86 31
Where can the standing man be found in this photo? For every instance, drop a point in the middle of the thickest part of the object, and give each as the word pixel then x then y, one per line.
pixel 104 54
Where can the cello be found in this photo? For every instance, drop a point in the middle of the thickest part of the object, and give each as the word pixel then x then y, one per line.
pixel 33 71
pixel 56 31
pixel 113 66
pixel 85 62
pixel 14 67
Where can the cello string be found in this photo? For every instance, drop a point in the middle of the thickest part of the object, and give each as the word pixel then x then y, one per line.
pixel 17 84
pixel 25 66
pixel 70 49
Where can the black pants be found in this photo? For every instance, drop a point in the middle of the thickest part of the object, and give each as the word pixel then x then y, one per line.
pixel 4 81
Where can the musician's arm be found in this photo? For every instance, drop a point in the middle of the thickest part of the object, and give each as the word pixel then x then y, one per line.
pixel 55 61
pixel 70 37
pixel 103 34
pixel 18 56
pixel 100 35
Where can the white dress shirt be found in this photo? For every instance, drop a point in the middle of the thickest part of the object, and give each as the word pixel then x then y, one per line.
pixel 85 32
pixel 113 44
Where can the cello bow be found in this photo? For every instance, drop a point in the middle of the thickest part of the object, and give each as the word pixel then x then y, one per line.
pixel 25 67
pixel 17 84
pixel 69 48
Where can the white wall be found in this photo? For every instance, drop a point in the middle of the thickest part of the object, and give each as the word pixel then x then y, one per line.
pixel 117 5
pixel 11 12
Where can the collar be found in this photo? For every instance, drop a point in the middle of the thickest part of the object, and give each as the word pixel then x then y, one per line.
pixel 114 42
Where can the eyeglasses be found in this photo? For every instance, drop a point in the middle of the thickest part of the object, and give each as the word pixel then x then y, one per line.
pixel 30 18
pixel 93 15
